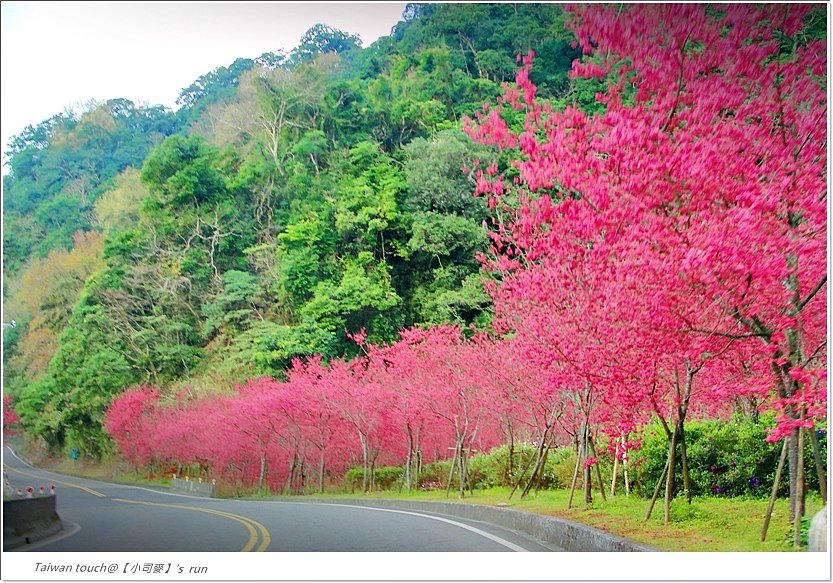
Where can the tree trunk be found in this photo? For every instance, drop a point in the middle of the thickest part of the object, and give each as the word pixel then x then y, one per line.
pixel 407 475
pixel 288 485
pixel 792 460
pixel 684 458
pixel 588 486
pixel 536 469
pixel 408 460
pixel 510 465
pixel 321 474
pixel 598 469
pixel 799 490
pixel 820 469
pixel 461 464
pixel 539 457
pixel 451 473
pixel 417 465
pixel 262 472
pixel 520 478
pixel 363 442
pixel 669 482
pixel 574 480
pixel 625 467
pixel 615 470
pixel 373 471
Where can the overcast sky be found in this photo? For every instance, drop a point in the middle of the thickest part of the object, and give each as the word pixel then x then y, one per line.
pixel 60 54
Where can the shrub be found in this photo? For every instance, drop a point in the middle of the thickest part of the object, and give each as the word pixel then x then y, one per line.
pixel 724 458
pixel 563 462
pixel 487 470
pixel 434 476
pixel 388 478
pixel 384 478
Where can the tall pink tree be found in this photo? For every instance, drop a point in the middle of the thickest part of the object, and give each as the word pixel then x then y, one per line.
pixel 128 422
pixel 321 423
pixel 401 371
pixel 704 178
pixel 10 417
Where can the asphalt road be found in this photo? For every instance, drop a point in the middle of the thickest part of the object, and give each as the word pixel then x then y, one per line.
pixel 102 517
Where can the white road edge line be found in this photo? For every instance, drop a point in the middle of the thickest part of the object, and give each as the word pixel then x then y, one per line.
pixel 483 533
pixel 73 529
pixel 107 484
pixel 31 467
pixel 14 453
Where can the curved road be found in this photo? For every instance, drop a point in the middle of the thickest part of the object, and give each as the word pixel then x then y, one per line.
pixel 101 516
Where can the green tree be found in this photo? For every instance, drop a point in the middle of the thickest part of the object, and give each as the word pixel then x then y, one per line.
pixel 439 174
pixel 361 297
pixel 118 208
pixel 323 39
pixel 236 306
pixel 366 209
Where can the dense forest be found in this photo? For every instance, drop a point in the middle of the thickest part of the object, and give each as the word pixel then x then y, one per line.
pixel 510 223
pixel 291 200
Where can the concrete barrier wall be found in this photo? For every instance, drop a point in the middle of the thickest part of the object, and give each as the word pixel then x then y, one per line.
pixel 818 532
pixel 192 487
pixel 28 520
pixel 570 536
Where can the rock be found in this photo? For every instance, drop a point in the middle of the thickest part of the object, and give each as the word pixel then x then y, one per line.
pixel 818 532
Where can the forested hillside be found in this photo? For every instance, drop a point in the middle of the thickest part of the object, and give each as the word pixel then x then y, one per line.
pixel 292 200
pixel 590 232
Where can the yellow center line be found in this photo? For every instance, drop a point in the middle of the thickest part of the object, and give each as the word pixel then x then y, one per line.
pixel 252 526
pixel 87 490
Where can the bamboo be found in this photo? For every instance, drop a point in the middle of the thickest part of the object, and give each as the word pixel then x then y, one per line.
pixel 775 486
pixel 539 459
pixel 520 478
pixel 656 492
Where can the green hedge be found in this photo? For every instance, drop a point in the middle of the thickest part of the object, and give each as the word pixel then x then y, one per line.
pixel 725 459
pixel 384 478
pixel 488 470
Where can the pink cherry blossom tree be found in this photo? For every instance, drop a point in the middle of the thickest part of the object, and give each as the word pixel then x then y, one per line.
pixel 699 192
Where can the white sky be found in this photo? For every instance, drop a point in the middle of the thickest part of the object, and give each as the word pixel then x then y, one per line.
pixel 60 54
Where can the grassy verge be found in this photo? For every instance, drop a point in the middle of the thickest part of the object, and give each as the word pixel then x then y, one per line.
pixel 707 524
pixel 105 472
